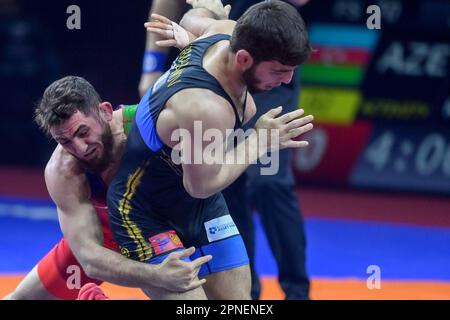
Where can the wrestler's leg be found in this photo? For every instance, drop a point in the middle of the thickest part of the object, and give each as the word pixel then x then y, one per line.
pixel 233 284
pixel 162 294
pixel 227 274
pixel 30 288
pixel 57 276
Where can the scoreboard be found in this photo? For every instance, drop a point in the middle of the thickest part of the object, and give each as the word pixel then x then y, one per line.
pixel 380 97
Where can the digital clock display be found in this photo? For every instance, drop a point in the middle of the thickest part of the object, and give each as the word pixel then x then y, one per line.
pixel 405 158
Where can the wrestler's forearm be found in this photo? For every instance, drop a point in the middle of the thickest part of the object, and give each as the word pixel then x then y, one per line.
pixel 107 265
pixel 235 163
pixel 173 10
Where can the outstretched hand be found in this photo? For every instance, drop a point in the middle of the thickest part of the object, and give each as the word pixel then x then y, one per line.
pixel 282 131
pixel 174 34
pixel 178 275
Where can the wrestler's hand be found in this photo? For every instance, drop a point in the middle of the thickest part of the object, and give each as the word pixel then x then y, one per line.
pixel 215 6
pixel 91 291
pixel 173 33
pixel 178 275
pixel 279 132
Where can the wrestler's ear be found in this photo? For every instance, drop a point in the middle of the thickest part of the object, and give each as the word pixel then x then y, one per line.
pixel 243 59
pixel 106 110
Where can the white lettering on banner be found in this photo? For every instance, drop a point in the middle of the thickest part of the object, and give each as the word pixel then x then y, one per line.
pixel 416 59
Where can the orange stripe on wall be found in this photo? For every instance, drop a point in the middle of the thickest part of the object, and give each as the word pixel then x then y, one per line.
pixel 355 289
pixel 321 289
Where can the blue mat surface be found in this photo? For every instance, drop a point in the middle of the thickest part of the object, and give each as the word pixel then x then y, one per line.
pixel 336 248
pixel 340 248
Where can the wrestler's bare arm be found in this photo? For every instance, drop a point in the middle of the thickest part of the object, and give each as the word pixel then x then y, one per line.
pixel 69 190
pixel 191 107
pixel 173 9
pixel 207 17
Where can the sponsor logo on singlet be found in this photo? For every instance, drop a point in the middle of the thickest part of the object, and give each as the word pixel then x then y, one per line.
pixel 220 228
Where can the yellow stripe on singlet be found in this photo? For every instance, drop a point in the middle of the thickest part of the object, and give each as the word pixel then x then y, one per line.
pixel 144 250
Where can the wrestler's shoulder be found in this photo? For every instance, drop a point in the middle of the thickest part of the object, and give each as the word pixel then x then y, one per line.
pixel 62 164
pixel 203 98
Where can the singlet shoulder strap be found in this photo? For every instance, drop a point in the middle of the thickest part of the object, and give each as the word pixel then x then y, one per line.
pixel 209 41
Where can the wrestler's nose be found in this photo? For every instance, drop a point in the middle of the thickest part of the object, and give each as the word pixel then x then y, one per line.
pixel 80 145
pixel 287 77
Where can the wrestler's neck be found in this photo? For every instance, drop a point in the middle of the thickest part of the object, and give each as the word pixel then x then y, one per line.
pixel 119 141
pixel 234 74
pixel 118 132
pixel 226 72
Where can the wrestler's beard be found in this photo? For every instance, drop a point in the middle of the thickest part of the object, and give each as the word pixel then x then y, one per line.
pixel 97 166
pixel 251 81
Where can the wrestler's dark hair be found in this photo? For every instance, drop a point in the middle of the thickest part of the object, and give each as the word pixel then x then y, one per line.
pixel 272 30
pixel 62 99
